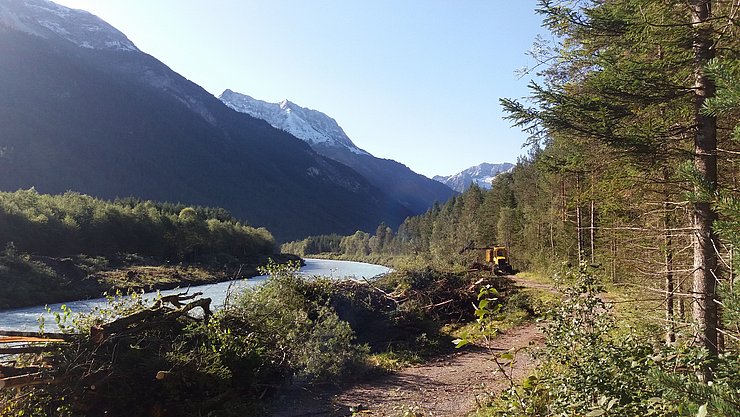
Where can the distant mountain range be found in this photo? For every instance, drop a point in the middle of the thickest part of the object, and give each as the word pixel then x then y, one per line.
pixel 415 192
pixel 481 174
pixel 83 109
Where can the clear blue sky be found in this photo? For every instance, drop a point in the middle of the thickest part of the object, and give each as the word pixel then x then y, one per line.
pixel 417 81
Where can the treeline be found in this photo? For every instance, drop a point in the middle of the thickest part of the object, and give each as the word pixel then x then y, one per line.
pixel 73 223
pixel 436 236
pixel 314 245
pixel 170 208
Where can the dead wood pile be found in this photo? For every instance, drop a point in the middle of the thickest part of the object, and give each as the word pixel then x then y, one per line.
pixel 28 358
pixel 14 343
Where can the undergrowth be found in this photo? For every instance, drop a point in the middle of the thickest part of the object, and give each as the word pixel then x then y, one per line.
pixel 291 330
pixel 221 367
pixel 590 366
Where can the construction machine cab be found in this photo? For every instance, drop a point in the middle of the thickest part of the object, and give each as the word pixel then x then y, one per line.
pixel 498 257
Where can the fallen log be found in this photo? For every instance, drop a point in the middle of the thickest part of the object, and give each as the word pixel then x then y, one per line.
pixel 63 336
pixel 11 371
pixel 147 318
pixel 24 381
pixel 203 303
pixel 98 333
pixel 476 283
pixel 161 375
pixel 431 306
pixel 26 339
pixel 391 297
pixel 177 299
pixel 25 349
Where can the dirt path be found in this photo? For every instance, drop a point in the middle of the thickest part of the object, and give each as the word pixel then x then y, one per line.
pixel 449 386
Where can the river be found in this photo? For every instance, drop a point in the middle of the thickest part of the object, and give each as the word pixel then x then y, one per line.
pixel 27 318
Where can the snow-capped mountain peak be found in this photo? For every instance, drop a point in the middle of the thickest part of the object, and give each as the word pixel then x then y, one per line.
pixel 47 19
pixel 311 126
pixel 482 175
pixel 284 105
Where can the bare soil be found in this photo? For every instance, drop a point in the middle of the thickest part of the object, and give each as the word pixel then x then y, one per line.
pixel 451 385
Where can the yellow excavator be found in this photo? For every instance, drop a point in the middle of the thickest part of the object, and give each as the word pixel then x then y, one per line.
pixel 497 259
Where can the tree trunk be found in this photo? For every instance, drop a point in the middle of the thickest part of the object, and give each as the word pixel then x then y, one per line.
pixel 614 257
pixel 681 301
pixel 670 285
pixel 704 307
pixel 578 217
pixel 552 238
pixel 593 233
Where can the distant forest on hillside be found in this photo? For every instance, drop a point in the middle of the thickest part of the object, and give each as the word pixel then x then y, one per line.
pixel 74 223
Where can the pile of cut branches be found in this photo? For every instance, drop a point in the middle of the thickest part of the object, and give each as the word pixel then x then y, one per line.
pixel 120 367
pixel 436 295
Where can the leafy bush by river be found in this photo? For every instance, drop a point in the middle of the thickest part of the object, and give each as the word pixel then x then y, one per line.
pixel 291 330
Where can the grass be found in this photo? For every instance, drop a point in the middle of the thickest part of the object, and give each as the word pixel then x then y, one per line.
pixel 535 277
pixel 633 309
pixel 518 308
pixel 394 360
pixel 640 311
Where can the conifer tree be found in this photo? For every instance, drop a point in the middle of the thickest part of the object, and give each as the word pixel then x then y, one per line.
pixel 631 74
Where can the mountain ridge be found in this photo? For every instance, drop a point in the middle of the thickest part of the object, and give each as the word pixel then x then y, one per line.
pixel 309 125
pixel 414 191
pixel 45 19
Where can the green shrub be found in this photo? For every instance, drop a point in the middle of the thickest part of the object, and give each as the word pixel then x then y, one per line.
pixel 280 330
pixel 293 316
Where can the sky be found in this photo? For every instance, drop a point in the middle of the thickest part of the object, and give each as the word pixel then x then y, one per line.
pixel 417 81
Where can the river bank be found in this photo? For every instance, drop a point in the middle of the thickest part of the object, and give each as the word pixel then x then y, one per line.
pixel 26 319
pixel 37 280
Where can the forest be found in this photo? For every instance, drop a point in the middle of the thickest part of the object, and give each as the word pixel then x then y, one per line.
pixel 632 180
pixel 57 248
pixel 74 223
pixel 633 164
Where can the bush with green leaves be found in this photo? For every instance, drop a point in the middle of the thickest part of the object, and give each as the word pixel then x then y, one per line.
pixel 282 330
pixel 293 316
pixel 589 367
